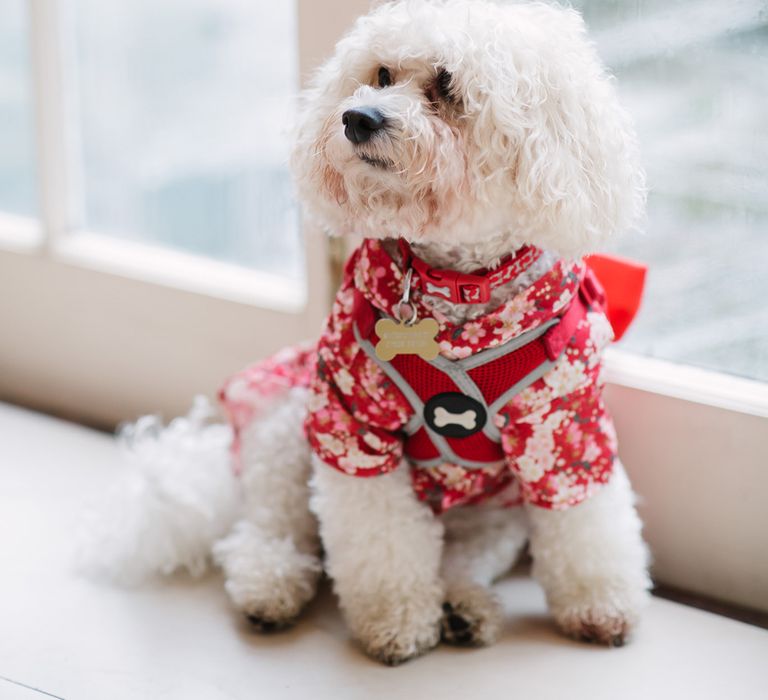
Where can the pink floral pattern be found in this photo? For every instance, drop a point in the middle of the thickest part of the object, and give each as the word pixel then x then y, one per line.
pixel 558 439
pixel 249 392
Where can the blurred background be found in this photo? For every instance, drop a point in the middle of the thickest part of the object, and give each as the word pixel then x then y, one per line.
pixel 181 115
pixel 171 134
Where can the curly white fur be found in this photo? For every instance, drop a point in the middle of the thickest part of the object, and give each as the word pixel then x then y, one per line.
pixel 383 550
pixel 272 556
pixel 530 146
pixel 592 563
pixel 481 544
pixel 175 497
pixel 534 148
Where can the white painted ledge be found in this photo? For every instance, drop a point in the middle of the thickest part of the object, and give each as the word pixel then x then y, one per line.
pixel 688 383
pixel 77 640
pixel 180 270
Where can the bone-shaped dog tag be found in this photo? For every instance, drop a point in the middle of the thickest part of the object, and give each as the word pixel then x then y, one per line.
pixel 467 419
pixel 401 339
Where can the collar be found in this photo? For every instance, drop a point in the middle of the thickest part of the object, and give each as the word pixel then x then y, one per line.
pixel 466 288
pixel 380 279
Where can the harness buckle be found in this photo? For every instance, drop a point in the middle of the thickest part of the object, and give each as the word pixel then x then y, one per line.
pixel 474 289
pixel 458 287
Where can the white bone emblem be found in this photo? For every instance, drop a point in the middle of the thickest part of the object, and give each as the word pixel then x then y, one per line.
pixel 467 420
pixel 436 289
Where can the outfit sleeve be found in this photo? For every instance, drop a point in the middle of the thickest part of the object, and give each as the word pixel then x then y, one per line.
pixel 557 435
pixel 355 415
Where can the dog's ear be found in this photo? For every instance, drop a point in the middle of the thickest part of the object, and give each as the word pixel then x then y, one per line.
pixel 576 163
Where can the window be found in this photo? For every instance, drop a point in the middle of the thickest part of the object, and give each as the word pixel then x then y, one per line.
pixel 17 170
pixel 693 76
pixel 183 109
pixel 150 140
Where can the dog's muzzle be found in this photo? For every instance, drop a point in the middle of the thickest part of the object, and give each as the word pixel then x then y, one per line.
pixel 362 123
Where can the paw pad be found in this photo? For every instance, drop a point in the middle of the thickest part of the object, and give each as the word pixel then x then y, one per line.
pixel 606 630
pixel 455 629
pixel 267 626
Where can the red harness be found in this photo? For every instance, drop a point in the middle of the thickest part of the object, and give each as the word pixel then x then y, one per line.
pixel 455 402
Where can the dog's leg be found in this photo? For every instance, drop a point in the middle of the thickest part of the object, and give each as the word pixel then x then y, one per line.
pixel 383 553
pixel 271 557
pixel 481 545
pixel 593 563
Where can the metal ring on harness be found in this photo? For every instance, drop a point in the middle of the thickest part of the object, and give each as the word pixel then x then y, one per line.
pixel 407 320
pixel 406 300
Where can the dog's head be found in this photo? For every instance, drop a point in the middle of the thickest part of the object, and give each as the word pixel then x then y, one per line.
pixel 457 120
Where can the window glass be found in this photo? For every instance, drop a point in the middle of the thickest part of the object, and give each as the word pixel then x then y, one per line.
pixel 184 107
pixel 17 157
pixel 694 75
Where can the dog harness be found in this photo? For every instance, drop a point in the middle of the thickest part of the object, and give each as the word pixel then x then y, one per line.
pixel 511 411
pixel 454 402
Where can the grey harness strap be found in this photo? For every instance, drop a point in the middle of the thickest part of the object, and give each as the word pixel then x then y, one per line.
pixel 441 420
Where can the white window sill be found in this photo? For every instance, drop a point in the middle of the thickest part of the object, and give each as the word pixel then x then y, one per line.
pixel 686 382
pixel 180 270
pixel 74 639
pixel 157 265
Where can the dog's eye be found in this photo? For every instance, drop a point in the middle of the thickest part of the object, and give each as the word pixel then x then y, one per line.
pixel 443 85
pixel 440 88
pixel 385 78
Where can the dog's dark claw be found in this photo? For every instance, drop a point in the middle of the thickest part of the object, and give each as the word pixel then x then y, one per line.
pixel 263 625
pixel 617 641
pixel 464 638
pixel 456 629
pixel 457 623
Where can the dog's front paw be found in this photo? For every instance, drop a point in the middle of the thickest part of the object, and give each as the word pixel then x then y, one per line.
pixel 601 624
pixel 393 643
pixel 397 631
pixel 268 579
pixel 472 616
pixel 607 618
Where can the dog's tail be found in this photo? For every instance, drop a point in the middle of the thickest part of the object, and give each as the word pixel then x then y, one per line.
pixel 176 496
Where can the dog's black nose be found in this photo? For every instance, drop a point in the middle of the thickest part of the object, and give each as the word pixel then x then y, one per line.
pixel 360 124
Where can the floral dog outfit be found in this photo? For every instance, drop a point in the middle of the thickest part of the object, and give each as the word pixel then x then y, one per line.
pixel 556 441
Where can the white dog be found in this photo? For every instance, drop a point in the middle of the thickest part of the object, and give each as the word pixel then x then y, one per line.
pixel 471 130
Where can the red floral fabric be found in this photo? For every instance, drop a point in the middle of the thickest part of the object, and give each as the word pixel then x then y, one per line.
pixel 558 439
pixel 246 394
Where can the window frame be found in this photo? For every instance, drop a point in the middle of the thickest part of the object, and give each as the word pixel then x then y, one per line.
pixel 84 281
pixel 101 341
